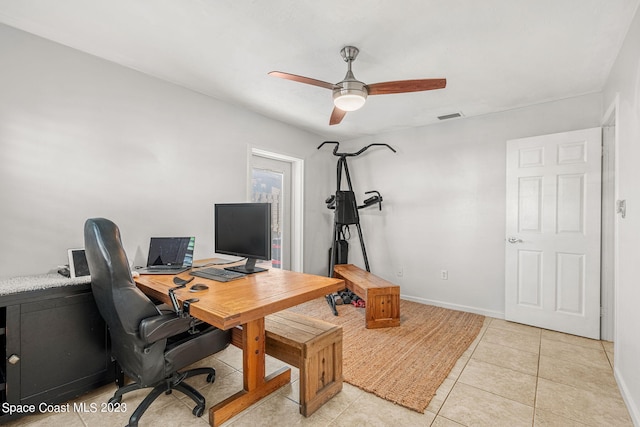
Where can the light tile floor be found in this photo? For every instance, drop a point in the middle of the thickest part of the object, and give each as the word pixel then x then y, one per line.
pixel 511 375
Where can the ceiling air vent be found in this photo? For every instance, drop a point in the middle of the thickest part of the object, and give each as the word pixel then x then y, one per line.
pixel 450 116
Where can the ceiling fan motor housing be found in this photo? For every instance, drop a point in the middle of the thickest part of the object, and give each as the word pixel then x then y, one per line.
pixel 349 95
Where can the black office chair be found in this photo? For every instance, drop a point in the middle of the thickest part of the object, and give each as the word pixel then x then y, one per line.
pixel 149 345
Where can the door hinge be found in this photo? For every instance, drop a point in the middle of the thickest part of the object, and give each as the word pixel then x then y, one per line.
pixel 621 208
pixel 602 311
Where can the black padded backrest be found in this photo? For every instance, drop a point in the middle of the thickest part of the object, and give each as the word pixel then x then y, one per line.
pixel 120 302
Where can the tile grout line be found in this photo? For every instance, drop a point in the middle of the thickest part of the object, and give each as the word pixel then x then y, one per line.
pixel 496 394
pixel 535 395
pixel 537 371
pixel 607 355
pixel 480 336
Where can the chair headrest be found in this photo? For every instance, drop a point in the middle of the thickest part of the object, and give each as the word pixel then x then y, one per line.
pixel 105 254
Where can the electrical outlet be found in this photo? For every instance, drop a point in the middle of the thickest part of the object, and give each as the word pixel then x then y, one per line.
pixel 444 274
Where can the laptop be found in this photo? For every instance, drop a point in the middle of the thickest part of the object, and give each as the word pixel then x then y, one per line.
pixel 169 255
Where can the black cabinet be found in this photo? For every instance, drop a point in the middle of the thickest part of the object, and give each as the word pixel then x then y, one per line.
pixel 55 346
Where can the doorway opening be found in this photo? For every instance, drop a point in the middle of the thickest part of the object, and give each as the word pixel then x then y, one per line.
pixel 277 179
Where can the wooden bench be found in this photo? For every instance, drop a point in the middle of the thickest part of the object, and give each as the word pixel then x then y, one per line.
pixel 312 346
pixel 382 298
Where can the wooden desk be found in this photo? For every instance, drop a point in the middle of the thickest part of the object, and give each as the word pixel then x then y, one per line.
pixel 245 302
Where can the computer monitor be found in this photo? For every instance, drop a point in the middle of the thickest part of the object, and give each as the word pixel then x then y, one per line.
pixel 243 229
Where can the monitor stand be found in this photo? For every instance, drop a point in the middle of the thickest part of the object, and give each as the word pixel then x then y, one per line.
pixel 248 268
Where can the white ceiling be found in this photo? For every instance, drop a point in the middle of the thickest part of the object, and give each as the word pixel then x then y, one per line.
pixel 495 54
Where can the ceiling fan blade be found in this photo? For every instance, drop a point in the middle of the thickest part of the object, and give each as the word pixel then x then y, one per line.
pixel 302 79
pixel 336 116
pixel 403 86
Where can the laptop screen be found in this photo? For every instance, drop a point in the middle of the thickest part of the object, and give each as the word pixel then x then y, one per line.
pixel 171 251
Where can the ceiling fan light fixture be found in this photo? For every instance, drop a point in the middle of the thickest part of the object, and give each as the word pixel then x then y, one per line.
pixel 351 96
pixel 349 101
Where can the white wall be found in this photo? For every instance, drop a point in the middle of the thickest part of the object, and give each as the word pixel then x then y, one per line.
pixel 624 86
pixel 444 201
pixel 82 137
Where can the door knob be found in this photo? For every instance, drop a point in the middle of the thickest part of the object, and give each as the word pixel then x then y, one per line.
pixel 514 240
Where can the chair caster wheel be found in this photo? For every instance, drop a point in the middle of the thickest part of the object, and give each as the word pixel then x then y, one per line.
pixel 211 377
pixel 115 400
pixel 198 411
pixel 168 392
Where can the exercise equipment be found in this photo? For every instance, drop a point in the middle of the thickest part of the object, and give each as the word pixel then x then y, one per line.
pixel 346 212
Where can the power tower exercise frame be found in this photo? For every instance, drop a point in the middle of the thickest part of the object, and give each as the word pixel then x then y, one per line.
pixel 346 208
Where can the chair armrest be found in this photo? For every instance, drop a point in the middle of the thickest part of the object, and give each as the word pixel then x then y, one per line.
pixel 155 328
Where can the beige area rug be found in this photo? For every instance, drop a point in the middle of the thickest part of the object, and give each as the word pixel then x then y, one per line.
pixel 404 364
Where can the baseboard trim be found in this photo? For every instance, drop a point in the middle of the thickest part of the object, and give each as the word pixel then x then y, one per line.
pixel 633 409
pixel 468 309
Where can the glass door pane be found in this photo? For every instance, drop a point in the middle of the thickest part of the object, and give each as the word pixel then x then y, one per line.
pixel 267 187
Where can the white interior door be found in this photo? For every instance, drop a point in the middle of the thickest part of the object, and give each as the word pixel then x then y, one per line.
pixel 553 232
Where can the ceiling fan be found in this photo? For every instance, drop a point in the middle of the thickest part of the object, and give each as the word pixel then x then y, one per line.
pixel 350 94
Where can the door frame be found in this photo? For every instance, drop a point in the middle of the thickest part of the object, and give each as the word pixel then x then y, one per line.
pixel 608 292
pixel 297 200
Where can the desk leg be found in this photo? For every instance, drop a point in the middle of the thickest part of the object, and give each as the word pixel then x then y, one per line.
pixel 256 385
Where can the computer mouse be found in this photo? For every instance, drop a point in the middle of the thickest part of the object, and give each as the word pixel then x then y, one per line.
pixel 198 287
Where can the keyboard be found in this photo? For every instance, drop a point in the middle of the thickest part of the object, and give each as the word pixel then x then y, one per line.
pixel 164 267
pixel 217 274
